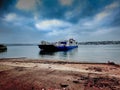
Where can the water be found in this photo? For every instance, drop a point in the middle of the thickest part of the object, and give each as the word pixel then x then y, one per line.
pixel 88 53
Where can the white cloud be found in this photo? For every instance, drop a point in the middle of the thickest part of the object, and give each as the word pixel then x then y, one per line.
pixel 103 31
pixel 55 33
pixel 100 16
pixel 36 17
pixel 66 2
pixel 87 23
pixel 98 20
pixel 10 17
pixel 72 13
pixel 14 19
pixel 27 4
pixel 69 14
pixel 113 5
pixel 52 24
pixel 70 32
pixel 63 34
pixel 108 10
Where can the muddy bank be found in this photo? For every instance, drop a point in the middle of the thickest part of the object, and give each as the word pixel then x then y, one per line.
pixel 29 74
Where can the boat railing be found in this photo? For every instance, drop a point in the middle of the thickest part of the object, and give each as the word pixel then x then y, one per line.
pixel 70 42
pixel 45 43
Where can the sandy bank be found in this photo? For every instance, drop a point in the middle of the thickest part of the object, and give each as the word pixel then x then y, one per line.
pixel 30 74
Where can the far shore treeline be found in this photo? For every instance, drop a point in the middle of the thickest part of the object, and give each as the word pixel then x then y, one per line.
pixel 79 43
pixel 99 43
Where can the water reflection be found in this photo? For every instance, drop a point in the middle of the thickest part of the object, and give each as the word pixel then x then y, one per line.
pixel 59 54
pixel 69 53
pixel 42 52
pixel 3 50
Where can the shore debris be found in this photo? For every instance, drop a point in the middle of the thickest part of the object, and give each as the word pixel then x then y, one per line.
pixel 113 63
pixel 97 69
pixel 76 81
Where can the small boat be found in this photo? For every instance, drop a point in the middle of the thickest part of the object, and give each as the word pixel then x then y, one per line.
pixel 58 46
pixel 3 48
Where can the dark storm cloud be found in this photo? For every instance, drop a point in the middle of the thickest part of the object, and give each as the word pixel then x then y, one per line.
pixel 6 5
pixel 50 19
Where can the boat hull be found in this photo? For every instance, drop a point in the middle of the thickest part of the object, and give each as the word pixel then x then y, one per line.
pixel 3 48
pixel 56 48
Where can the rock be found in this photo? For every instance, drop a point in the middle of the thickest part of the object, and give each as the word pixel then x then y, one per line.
pixel 84 78
pixel 97 69
pixel 76 81
pixel 112 63
pixel 64 85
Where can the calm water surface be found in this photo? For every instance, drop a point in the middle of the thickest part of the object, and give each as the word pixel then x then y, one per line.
pixel 90 53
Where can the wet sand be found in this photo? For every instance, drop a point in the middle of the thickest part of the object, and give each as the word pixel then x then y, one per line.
pixel 31 74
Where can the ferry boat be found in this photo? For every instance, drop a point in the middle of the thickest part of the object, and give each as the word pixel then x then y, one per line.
pixel 58 46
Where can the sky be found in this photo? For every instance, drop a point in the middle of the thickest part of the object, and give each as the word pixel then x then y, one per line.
pixel 30 21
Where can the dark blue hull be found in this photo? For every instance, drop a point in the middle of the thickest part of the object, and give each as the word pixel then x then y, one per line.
pixel 56 48
pixel 65 48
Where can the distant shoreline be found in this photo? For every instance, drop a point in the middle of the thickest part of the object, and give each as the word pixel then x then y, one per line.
pixel 100 43
pixel 79 43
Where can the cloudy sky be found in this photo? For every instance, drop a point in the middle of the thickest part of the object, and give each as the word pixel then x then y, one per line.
pixel 30 21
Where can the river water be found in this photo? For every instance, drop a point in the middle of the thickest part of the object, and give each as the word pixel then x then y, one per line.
pixel 87 53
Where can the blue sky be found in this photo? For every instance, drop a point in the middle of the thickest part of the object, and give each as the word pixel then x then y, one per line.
pixel 30 21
